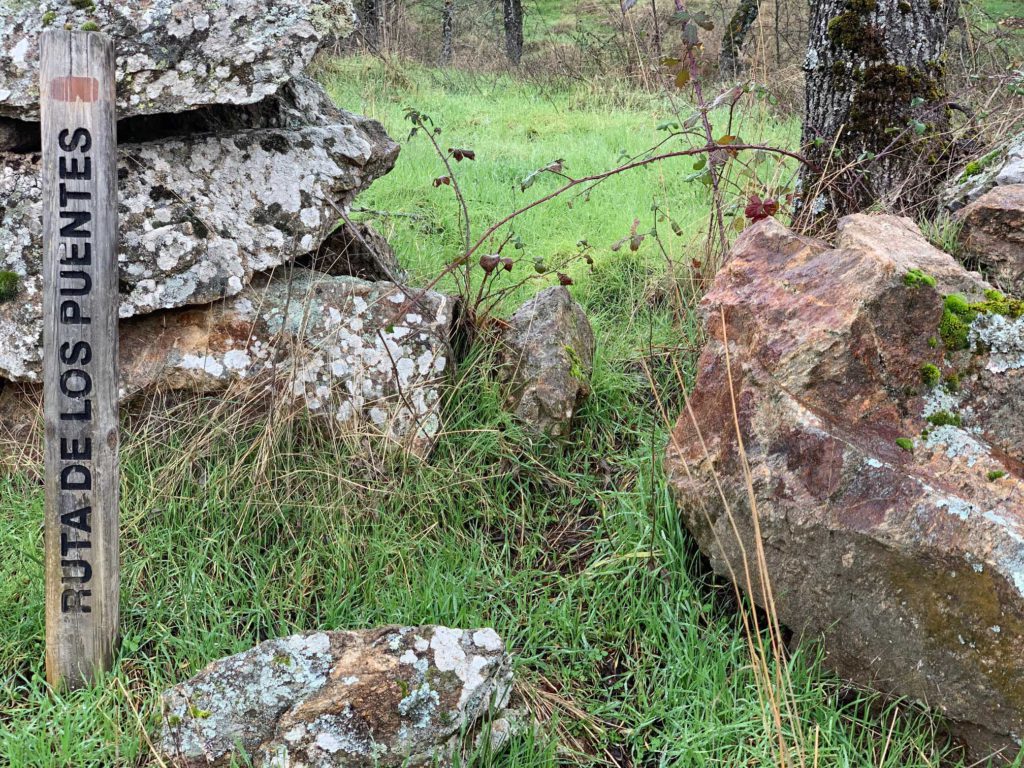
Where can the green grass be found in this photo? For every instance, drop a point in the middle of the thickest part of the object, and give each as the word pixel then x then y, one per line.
pixel 626 649
pixel 516 128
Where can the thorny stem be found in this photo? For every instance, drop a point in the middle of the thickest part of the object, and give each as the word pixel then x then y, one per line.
pixel 711 146
pixel 446 159
pixel 573 183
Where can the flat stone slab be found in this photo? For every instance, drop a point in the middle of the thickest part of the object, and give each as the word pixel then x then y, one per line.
pixel 198 217
pixel 174 55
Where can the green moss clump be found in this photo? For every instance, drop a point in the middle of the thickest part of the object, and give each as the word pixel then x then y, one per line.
pixel 975 167
pixel 848 31
pixel 995 474
pixel 930 374
pixel 957 316
pixel 90 26
pixel 998 304
pixel 84 5
pixel 945 419
pixel 958 304
pixel 958 313
pixel 905 443
pixel 915 278
pixel 953 331
pixel 48 18
pixel 9 284
pixel 933 342
pixel 952 383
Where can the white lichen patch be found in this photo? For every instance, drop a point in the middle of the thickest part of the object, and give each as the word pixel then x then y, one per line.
pixel 225 51
pixel 958 508
pixel 488 639
pixel 345 716
pixel 939 399
pixel 1003 337
pixel 420 705
pixel 457 653
pixel 956 443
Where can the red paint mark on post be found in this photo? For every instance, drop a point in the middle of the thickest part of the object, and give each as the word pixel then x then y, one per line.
pixel 75 89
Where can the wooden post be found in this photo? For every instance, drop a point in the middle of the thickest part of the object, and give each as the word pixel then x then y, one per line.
pixel 80 304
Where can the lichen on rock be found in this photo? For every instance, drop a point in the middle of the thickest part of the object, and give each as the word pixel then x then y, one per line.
pixel 385 697
pixel 200 215
pixel 175 55
pixel 546 356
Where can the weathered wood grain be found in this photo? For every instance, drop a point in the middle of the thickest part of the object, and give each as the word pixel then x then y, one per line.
pixel 79 177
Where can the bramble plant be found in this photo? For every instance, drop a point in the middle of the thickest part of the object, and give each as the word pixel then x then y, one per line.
pixel 730 168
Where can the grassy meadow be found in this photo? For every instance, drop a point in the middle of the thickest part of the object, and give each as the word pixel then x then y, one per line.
pixel 627 651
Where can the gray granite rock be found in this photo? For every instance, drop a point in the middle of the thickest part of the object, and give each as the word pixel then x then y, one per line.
pixel 200 215
pixel 546 355
pixel 174 55
pixel 1003 165
pixel 389 697
pixel 371 357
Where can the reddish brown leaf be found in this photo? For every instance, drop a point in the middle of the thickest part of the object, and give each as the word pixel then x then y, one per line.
pixel 758 209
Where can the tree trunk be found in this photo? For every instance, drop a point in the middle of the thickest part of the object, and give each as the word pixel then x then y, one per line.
pixel 447 32
pixel 369 22
pixel 513 19
pixel 735 33
pixel 874 98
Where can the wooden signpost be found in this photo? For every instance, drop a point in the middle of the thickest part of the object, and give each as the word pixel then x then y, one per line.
pixel 80 303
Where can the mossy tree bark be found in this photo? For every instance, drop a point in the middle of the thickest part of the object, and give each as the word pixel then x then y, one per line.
pixel 735 33
pixel 874 98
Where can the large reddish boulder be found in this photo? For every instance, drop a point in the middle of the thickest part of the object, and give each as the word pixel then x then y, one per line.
pixel 866 434
pixel 993 235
